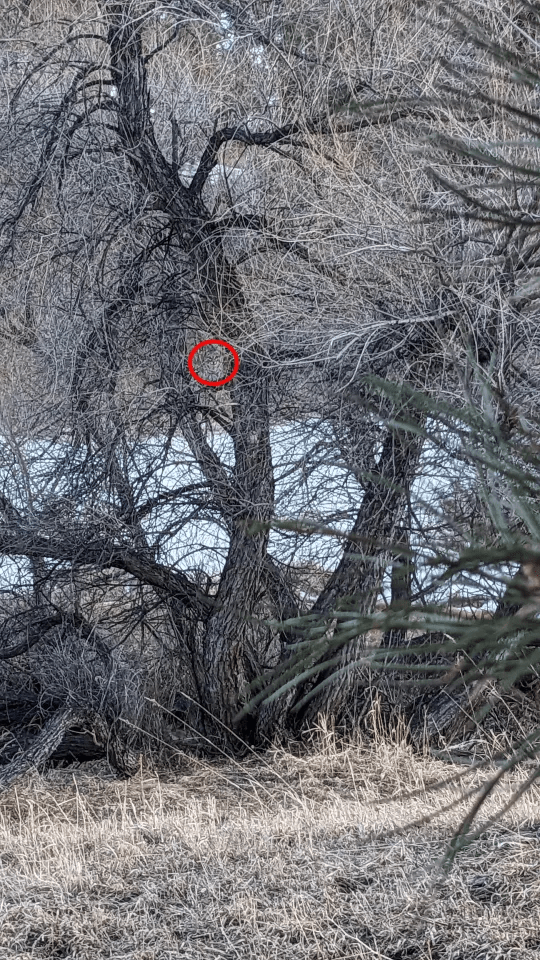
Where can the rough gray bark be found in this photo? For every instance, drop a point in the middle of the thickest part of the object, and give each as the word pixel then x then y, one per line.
pixel 246 495
pixel 358 578
pixel 117 743
pixel 76 746
pixel 446 711
pixel 106 106
pixel 42 747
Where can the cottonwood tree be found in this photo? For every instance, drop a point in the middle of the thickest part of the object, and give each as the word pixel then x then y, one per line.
pixel 482 536
pixel 177 172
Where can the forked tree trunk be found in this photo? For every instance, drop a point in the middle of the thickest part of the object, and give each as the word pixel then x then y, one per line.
pixel 246 495
pixel 230 630
pixel 357 580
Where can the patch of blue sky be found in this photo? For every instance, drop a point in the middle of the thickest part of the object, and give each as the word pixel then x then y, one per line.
pixel 312 487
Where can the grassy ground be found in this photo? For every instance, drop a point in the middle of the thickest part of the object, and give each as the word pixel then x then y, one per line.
pixel 287 857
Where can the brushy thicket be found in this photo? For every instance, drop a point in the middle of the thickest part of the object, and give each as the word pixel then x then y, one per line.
pixel 348 192
pixel 490 548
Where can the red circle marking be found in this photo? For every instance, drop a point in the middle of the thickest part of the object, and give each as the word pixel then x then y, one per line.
pixel 213 383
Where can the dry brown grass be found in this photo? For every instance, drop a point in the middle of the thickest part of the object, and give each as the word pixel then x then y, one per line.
pixel 282 857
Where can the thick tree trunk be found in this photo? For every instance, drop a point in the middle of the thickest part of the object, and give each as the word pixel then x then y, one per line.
pixel 230 629
pixel 358 578
pixel 247 496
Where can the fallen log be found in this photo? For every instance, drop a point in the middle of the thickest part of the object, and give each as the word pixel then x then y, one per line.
pixel 69 735
pixel 75 747
pixel 42 746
